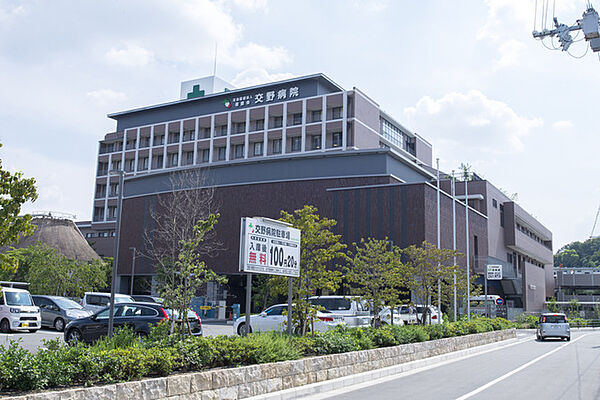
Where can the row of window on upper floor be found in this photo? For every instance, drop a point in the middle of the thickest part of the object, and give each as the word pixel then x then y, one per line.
pixel 220 130
pixel 237 152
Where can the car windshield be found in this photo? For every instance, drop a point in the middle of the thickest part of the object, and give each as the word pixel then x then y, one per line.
pixel 554 319
pixel 66 304
pixel 18 298
pixel 332 304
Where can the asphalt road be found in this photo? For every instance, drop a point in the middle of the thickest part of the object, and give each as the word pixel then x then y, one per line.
pixel 527 369
pixel 32 341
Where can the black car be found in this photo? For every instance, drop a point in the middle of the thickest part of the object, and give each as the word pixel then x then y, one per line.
pixel 140 317
pixel 57 311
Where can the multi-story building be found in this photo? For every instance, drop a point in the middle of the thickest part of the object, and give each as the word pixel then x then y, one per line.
pixel 280 146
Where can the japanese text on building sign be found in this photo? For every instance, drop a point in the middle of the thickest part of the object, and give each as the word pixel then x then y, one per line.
pixel 494 272
pixel 263 97
pixel 269 247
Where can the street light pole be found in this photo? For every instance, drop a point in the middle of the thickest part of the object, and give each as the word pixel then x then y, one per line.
pixel 439 245
pixel 132 269
pixel 467 237
pixel 454 238
pixel 113 283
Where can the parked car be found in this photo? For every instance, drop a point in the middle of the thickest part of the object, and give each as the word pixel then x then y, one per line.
pixel 57 311
pixel 95 301
pixel 17 311
pixel 140 317
pixel 553 325
pixel 147 298
pixel 193 319
pixel 356 312
pixel 399 318
pixel 274 318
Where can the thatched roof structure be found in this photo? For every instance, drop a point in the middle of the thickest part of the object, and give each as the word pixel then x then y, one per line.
pixel 62 235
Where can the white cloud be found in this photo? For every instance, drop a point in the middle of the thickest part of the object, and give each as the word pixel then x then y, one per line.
pixel 8 13
pixel 106 96
pixel 562 125
pixel 470 123
pixel 254 55
pixel 130 56
pixel 257 76
pixel 509 53
pixel 252 5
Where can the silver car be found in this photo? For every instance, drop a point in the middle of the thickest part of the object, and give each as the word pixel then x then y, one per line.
pixel 553 325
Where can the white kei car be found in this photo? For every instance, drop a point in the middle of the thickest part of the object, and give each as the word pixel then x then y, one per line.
pixel 275 318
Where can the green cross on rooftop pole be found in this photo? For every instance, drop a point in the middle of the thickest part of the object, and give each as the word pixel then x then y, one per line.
pixel 196 92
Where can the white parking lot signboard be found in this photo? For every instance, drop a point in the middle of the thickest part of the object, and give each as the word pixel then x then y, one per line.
pixel 269 247
pixel 494 272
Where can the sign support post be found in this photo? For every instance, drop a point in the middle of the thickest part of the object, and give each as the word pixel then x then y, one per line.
pixel 289 316
pixel 248 301
pixel 487 306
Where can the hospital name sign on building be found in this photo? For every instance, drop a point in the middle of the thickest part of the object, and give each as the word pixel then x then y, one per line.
pixel 269 247
pixel 262 97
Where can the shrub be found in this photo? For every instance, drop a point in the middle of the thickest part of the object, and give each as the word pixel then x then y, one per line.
pixel 384 337
pixel 333 342
pixel 527 321
pixel 232 351
pixel 272 347
pixel 18 369
pixel 195 353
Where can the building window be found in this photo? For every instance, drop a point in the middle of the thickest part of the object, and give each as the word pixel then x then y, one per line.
pixel 102 168
pixel 277 122
pixel 98 213
pixel 258 148
pixel 221 153
pixel 158 140
pixel 112 213
pixel 501 215
pixel 205 155
pixel 130 164
pixel 316 116
pixel 336 112
pixel 315 142
pixel 114 189
pixel 116 165
pixel 494 203
pixel 240 127
pixel 130 144
pixel 173 137
pixel 144 141
pixel 259 125
pixel 276 146
pixel 238 151
pixel 297 119
pixel 100 190
pixel 189 157
pixel 336 139
pixel 89 235
pixel 223 130
pixel 296 143
pixel 157 162
pixel 204 133
pixel 142 163
pixel 172 159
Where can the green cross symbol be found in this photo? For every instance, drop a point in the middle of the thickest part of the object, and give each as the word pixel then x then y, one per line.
pixel 196 92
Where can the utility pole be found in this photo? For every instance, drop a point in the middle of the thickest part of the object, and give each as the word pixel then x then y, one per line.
pixel 439 288
pixel 454 238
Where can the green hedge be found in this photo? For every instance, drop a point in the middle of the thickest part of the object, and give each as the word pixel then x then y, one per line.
pixel 129 357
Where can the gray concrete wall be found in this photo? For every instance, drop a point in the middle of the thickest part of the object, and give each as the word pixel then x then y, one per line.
pixel 534 298
pixel 367 113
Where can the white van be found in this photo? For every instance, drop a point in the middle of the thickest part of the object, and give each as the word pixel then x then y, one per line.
pixel 97 301
pixel 356 312
pixel 17 311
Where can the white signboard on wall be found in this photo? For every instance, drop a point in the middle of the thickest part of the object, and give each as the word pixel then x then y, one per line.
pixel 494 272
pixel 268 246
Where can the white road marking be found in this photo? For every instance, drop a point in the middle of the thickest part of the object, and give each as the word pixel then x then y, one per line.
pixel 514 371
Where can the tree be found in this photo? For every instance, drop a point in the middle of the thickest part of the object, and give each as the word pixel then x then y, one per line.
pixel 579 254
pixel 425 266
pixel 377 273
pixel 319 249
pixel 15 190
pixel 179 282
pixel 50 272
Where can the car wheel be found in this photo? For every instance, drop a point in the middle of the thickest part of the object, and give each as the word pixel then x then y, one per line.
pixel 5 326
pixel 59 324
pixel 74 336
pixel 33 330
pixel 242 329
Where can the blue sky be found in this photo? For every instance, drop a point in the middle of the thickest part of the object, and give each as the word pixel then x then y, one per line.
pixel 466 75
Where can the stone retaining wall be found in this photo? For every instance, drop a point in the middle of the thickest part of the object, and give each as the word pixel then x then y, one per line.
pixel 243 382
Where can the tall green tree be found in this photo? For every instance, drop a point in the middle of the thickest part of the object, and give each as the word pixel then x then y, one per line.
pixel 377 274
pixel 425 266
pixel 49 272
pixel 579 254
pixel 15 190
pixel 182 277
pixel 320 248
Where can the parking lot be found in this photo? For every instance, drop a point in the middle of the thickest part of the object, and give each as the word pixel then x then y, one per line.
pixel 31 341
